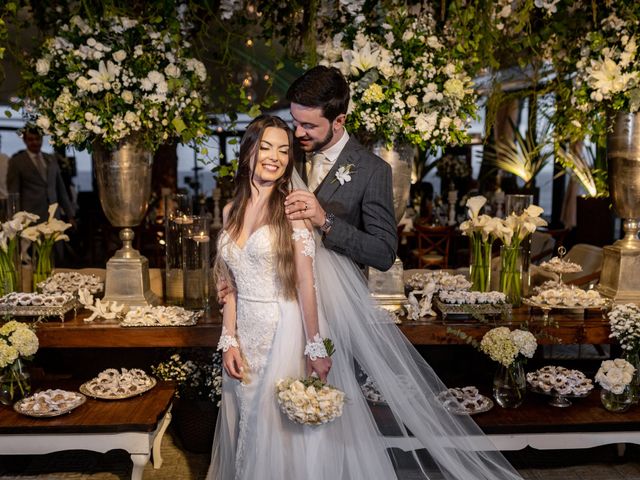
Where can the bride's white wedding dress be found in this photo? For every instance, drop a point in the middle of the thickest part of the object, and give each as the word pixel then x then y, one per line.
pixel 255 441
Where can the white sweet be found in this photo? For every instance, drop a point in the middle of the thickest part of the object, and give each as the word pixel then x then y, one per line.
pixel 160 317
pixel 50 401
pixel 35 299
pixel 112 383
pixel 569 296
pixel 558 265
pixel 464 400
pixel 71 282
pixel 470 298
pixel 561 380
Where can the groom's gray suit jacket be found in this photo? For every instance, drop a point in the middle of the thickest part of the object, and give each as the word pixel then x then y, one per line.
pixel 365 227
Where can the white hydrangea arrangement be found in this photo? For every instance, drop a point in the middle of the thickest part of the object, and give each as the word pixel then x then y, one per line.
pixel 18 342
pixel 406 84
pixel 309 402
pixel 506 346
pixel 615 375
pixel 625 326
pixel 114 78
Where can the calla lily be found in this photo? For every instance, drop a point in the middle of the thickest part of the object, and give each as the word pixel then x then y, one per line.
pixel 52 211
pixel 534 210
pixel 474 204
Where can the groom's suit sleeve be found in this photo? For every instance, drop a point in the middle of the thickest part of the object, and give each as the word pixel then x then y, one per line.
pixel 374 243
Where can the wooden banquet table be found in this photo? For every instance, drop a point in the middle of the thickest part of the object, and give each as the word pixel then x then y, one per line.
pixel 588 328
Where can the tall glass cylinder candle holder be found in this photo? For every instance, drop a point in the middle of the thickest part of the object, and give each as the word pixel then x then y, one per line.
pixel 10 265
pixel 196 261
pixel 177 208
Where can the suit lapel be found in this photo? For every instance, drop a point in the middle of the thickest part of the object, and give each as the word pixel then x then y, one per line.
pixel 329 185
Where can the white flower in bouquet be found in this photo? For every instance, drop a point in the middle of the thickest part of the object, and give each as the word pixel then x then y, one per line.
pixel 504 346
pixel 615 375
pixel 310 401
pixel 47 232
pixel 406 85
pixel 515 228
pixel 625 326
pixel 106 80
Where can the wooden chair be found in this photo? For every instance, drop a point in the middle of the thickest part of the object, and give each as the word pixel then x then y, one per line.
pixel 433 245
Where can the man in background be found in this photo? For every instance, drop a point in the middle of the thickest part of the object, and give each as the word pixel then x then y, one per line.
pixel 36 177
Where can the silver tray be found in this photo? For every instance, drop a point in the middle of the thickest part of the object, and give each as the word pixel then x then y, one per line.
pixel 471 308
pixel 558 399
pixel 19 407
pixel 547 307
pixel 488 405
pixel 40 311
pixel 83 389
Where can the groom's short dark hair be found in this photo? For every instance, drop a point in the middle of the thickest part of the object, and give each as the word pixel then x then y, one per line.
pixel 322 87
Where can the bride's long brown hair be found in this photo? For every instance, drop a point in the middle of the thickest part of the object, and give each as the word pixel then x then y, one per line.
pixel 274 213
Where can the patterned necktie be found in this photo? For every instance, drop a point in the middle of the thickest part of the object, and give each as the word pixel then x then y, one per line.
pixel 320 166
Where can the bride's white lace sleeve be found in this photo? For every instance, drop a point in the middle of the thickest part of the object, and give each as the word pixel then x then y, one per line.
pixel 304 254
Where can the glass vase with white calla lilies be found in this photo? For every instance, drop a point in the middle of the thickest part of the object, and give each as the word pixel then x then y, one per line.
pixel 43 236
pixel 9 235
pixel 513 230
pixel 481 230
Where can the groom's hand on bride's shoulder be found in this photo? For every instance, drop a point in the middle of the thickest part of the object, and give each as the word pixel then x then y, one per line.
pixel 301 204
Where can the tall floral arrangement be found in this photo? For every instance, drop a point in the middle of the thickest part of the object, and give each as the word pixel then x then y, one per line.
pixel 406 84
pixel 9 241
pixel 115 78
pixel 607 76
pixel 18 343
pixel 43 236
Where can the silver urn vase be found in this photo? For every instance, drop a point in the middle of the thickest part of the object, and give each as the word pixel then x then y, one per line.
pixel 124 183
pixel 619 279
pixel 387 288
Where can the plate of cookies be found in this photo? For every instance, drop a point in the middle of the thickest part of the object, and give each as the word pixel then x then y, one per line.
pixel 465 401
pixel 113 384
pixel 49 403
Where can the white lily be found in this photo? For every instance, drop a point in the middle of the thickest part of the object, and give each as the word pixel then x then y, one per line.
pixel 474 204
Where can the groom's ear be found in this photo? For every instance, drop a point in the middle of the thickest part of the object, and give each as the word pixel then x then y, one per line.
pixel 339 121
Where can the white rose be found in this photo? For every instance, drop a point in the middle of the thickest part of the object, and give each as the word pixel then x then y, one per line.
pixel 412 101
pixel 119 56
pixel 43 122
pixel 127 96
pixel 172 70
pixel 42 66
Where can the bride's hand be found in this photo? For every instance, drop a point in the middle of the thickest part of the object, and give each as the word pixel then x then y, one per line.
pixel 320 367
pixel 232 361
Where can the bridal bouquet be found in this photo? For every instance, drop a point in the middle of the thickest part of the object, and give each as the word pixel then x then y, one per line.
pixel 43 236
pixel 9 235
pixel 310 401
pixel 114 77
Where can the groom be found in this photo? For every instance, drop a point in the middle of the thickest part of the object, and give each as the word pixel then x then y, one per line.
pixel 350 195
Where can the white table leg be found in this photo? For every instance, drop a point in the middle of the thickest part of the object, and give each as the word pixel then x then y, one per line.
pixel 139 462
pixel 157 441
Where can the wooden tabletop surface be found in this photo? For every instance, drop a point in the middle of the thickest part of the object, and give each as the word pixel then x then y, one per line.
pixel 138 414
pixel 74 332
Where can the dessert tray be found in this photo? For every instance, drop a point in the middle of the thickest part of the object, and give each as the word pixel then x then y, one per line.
pixel 465 401
pixel 49 403
pixel 469 303
pixel 560 383
pixel 437 280
pixel 563 297
pixel 112 384
pixel 37 304
pixel 160 317
pixel 371 392
pixel 71 282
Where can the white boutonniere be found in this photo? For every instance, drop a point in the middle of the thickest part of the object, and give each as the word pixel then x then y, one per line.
pixel 343 175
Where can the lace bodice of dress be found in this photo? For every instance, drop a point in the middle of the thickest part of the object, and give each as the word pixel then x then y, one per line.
pixel 253 265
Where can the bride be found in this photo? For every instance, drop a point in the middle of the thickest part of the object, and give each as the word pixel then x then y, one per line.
pixel 289 294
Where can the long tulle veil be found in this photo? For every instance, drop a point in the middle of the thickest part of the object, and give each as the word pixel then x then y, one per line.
pixel 447 446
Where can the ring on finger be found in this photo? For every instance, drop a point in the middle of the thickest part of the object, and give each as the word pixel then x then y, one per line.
pixel 306 207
